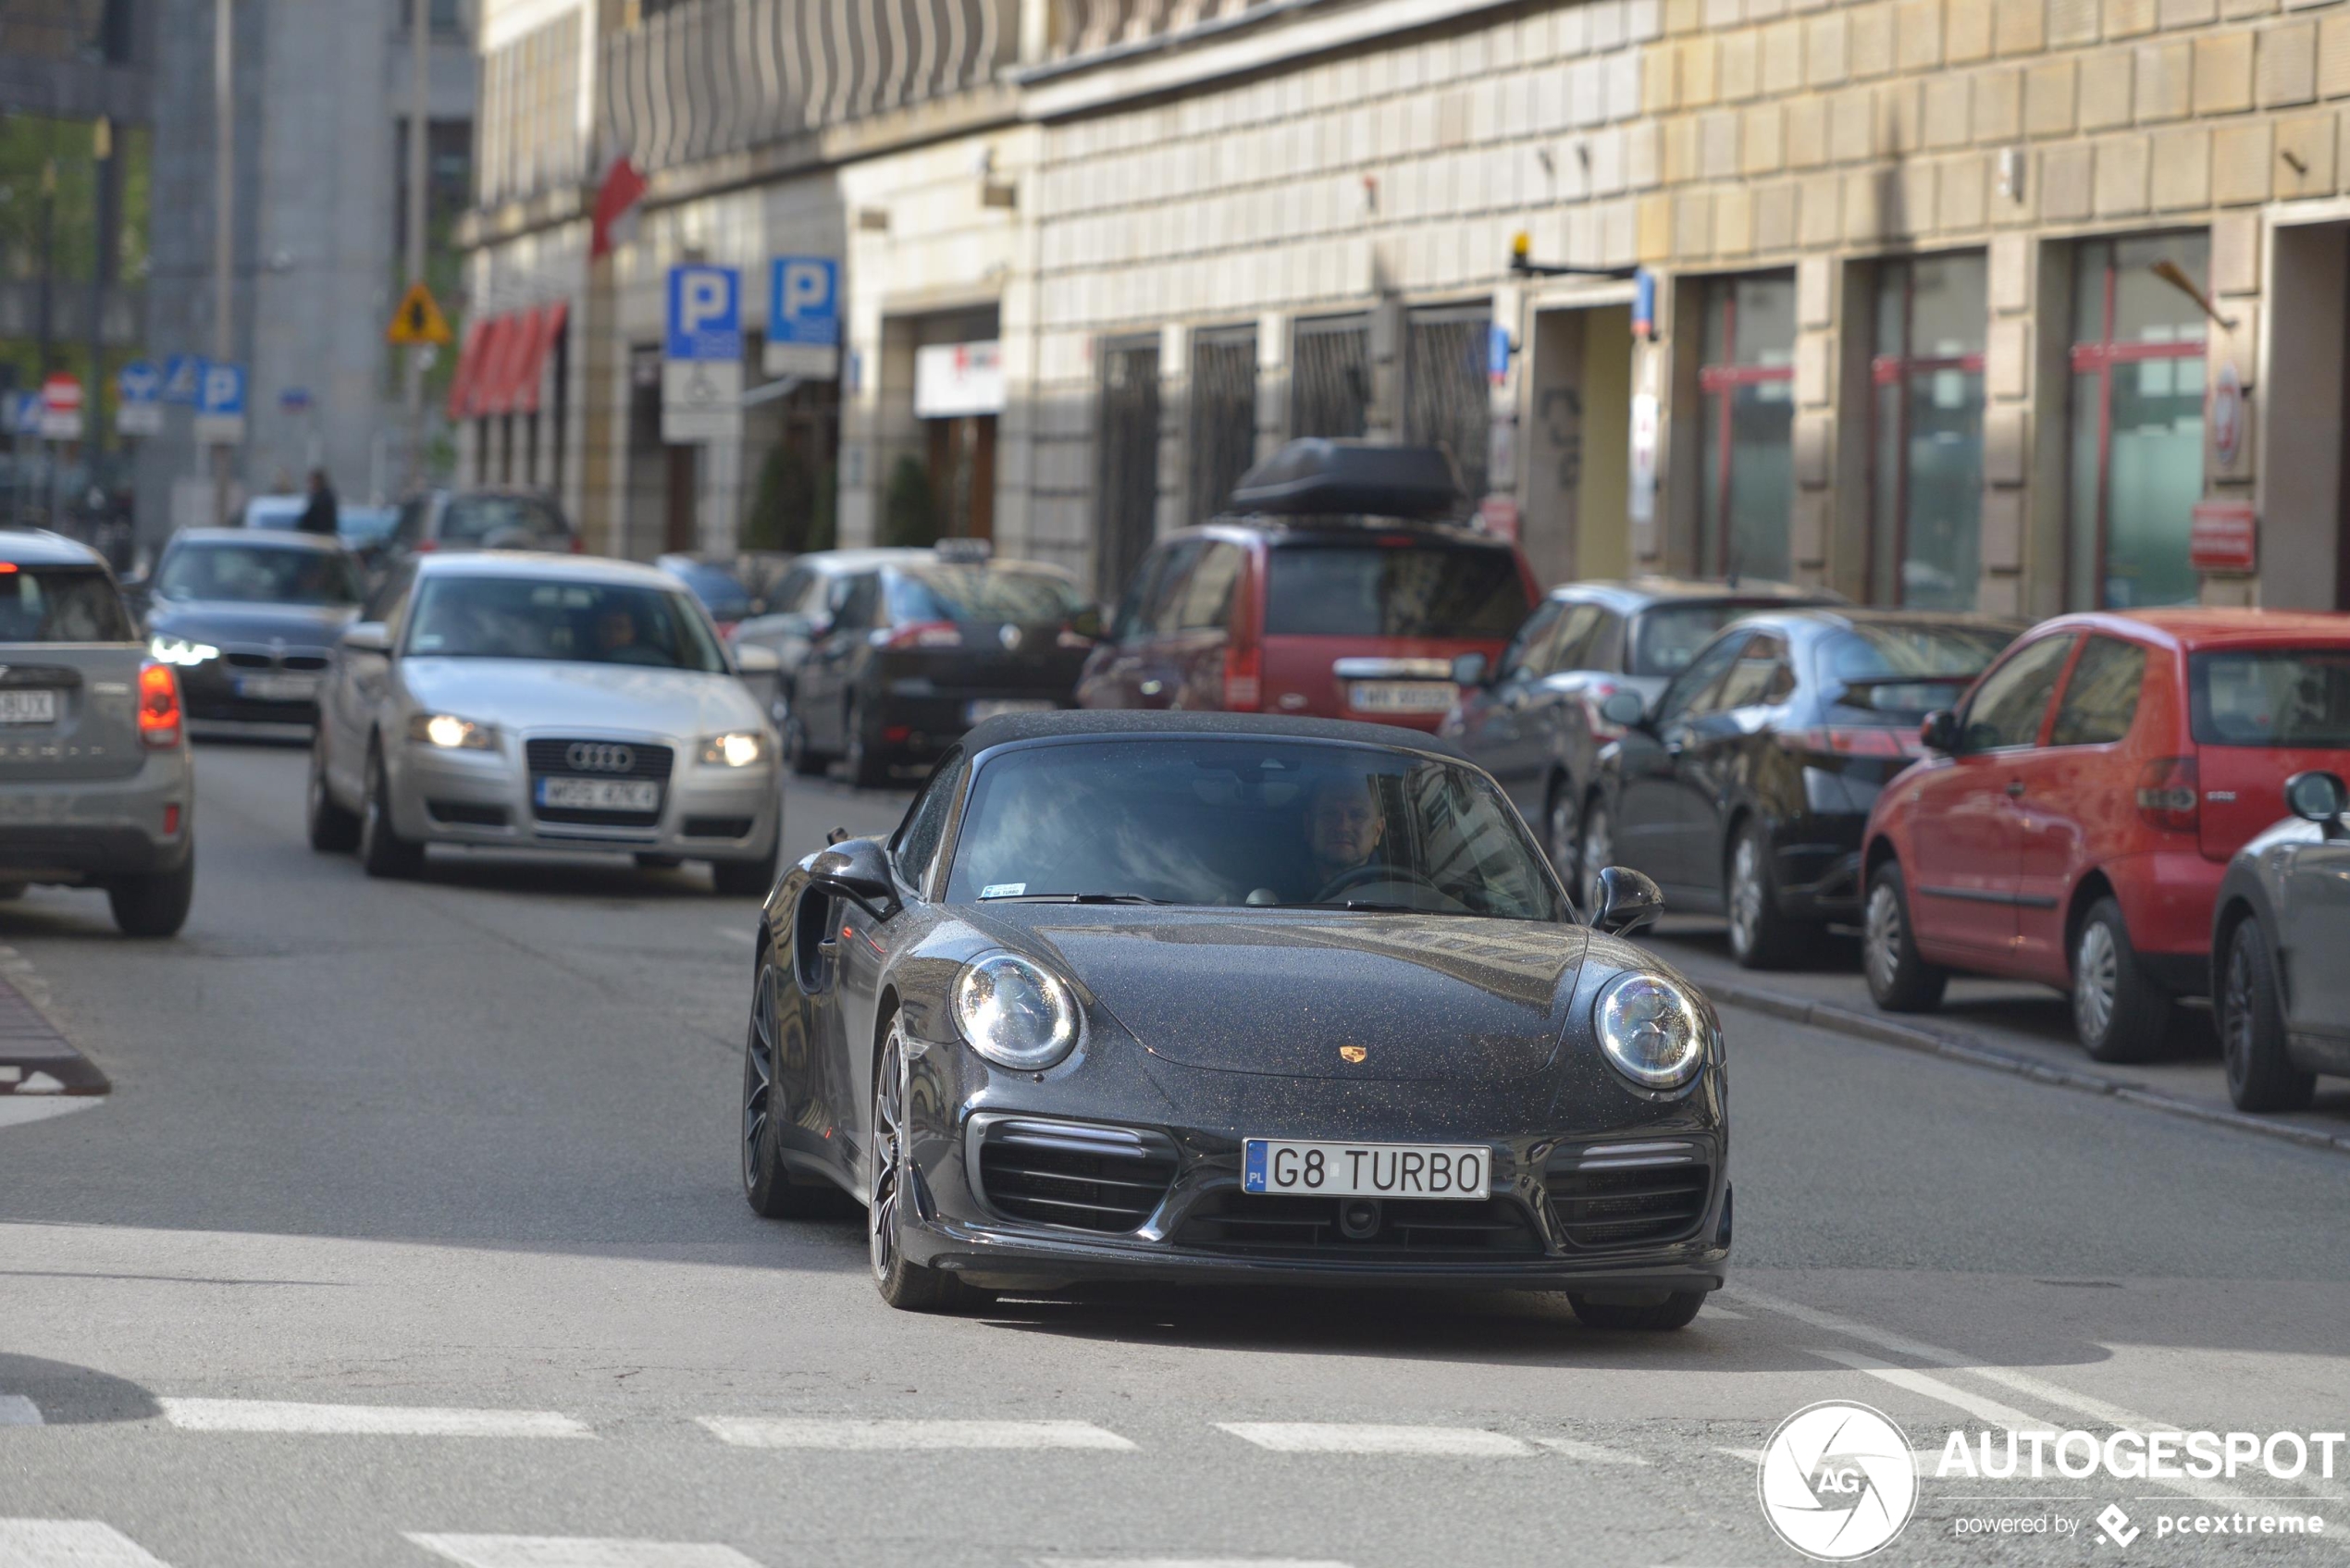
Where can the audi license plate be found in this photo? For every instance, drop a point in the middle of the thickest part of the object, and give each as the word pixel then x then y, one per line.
pixel 1401 697
pixel 997 706
pixel 278 688
pixel 1364 1170
pixel 601 794
pixel 28 706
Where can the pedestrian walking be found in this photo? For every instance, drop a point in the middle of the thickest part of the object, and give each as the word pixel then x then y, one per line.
pixel 319 516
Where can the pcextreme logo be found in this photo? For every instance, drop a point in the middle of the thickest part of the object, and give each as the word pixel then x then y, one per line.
pixel 1836 1481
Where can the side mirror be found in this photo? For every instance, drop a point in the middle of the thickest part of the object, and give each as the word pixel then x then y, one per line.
pixel 1624 710
pixel 1468 670
pixel 367 637
pixel 2319 797
pixel 858 870
pixel 752 658
pixel 1627 901
pixel 1940 732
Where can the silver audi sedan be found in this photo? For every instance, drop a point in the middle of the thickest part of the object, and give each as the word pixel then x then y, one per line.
pixel 556 702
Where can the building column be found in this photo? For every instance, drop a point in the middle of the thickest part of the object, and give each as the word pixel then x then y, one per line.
pixel 1174 429
pixel 2022 521
pixel 1828 543
pixel 2235 292
pixel 1272 384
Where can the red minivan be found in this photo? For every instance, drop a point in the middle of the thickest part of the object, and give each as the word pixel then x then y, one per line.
pixel 2083 804
pixel 1328 593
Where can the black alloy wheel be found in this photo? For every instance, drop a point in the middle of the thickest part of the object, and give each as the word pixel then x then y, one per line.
pixel 1677 1310
pixel 1761 937
pixel 1597 854
pixel 333 829
pixel 382 852
pixel 1560 836
pixel 904 1284
pixel 2261 1077
pixel 1899 981
pixel 768 1185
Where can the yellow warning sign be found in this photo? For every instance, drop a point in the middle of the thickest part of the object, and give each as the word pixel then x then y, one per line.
pixel 418 320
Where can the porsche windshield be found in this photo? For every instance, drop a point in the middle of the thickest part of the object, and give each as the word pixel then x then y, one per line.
pixel 1246 822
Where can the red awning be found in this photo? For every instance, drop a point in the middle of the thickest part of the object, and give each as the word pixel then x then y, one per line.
pixel 494 393
pixel 546 323
pixel 468 371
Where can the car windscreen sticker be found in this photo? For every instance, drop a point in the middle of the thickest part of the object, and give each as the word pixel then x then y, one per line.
pixel 1252 1173
pixel 1003 889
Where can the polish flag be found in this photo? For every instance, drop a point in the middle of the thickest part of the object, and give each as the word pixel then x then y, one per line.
pixel 616 200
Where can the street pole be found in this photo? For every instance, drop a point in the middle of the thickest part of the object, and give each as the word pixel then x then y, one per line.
pixel 101 278
pixel 46 306
pixel 419 108
pixel 224 193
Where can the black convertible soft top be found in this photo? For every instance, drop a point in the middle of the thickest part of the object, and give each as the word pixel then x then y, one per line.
pixel 1013 727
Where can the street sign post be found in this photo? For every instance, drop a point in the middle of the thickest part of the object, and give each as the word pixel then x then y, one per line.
pixel 220 405
pixel 138 402
pixel 61 407
pixel 803 317
pixel 701 370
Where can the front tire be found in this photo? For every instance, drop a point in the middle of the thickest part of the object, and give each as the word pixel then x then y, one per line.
pixel 1899 981
pixel 382 852
pixel 747 879
pixel 768 1185
pixel 333 831
pixel 1598 852
pixel 1560 837
pixel 1761 937
pixel 1675 1311
pixel 156 904
pixel 904 1284
pixel 2120 1013
pixel 2261 1077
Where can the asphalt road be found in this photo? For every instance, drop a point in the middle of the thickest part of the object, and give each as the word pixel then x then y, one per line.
pixel 412 1234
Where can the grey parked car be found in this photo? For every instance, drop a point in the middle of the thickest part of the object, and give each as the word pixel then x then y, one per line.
pixel 1533 720
pixel 799 609
pixel 2281 989
pixel 96 789
pixel 528 701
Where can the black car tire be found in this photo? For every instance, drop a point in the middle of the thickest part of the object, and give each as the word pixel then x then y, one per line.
pixel 1562 837
pixel 1675 1311
pixel 803 758
pixel 768 1184
pixel 1596 853
pixel 382 852
pixel 904 1284
pixel 2118 1010
pixel 1899 981
pixel 1761 935
pixel 2261 1077
pixel 747 879
pixel 333 831
pixel 867 762
pixel 154 904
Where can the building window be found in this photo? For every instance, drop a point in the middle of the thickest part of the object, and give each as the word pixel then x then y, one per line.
pixel 1128 478
pixel 1449 401
pixel 1924 548
pixel 1746 428
pixel 2138 423
pixel 1223 415
pixel 1329 389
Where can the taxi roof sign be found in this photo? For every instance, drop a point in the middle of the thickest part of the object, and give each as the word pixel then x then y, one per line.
pixel 418 320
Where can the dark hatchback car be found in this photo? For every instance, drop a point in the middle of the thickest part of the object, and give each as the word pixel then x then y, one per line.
pixel 918 649
pixel 1533 720
pixel 249 619
pixel 1745 788
pixel 1333 589
pixel 2281 992
pixel 1231 998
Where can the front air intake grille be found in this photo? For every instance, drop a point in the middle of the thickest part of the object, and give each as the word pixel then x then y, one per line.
pixel 1073 1174
pixel 642 761
pixel 1423 1229
pixel 466 813
pixel 1629 1194
pixel 717 827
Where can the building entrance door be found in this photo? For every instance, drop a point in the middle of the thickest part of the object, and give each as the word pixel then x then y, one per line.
pixel 1575 445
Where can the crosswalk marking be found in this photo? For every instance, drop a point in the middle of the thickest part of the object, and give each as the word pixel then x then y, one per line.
pixel 811 1432
pixel 369 1420
pixel 1933 1388
pixel 579 1552
pixel 70 1543
pixel 1591 1453
pixel 18 1411
pixel 1330 1436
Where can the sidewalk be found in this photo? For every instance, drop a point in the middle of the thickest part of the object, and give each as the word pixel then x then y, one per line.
pixel 2002 1024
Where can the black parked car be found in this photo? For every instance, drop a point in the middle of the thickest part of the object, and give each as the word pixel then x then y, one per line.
pixel 1225 997
pixel 918 646
pixel 1744 788
pixel 2281 995
pixel 250 620
pixel 1533 720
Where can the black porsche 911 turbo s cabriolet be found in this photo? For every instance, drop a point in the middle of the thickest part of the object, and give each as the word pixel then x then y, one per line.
pixel 1215 998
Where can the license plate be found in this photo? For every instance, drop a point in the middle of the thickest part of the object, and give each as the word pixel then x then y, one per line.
pixel 278 688
pixel 28 706
pixel 994 707
pixel 601 794
pixel 1401 697
pixel 1364 1170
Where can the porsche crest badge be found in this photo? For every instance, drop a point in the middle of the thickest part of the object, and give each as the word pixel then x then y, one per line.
pixel 1353 1052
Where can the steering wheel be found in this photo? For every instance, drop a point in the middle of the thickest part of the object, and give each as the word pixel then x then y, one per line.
pixel 1375 872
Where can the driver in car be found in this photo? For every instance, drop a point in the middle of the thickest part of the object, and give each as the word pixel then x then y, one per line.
pixel 1343 827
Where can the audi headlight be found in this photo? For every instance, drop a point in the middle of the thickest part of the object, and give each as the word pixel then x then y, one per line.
pixel 1652 1030
pixel 449 732
pixel 739 749
pixel 167 649
pixel 1015 1013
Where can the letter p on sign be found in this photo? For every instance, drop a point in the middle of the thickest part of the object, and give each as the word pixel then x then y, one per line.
pixel 803 301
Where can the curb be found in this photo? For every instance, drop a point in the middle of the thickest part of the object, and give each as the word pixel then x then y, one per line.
pixel 1955 1046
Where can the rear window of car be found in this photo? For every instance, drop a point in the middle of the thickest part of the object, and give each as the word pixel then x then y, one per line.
pixel 1905 672
pixel 1667 638
pixel 982 595
pixel 475 518
pixel 725 599
pixel 1379 589
pixel 2283 696
pixel 60 604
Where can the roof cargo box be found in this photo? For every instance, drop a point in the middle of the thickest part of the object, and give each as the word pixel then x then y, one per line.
pixel 1320 477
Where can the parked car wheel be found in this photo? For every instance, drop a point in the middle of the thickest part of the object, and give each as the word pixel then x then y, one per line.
pixel 803 758
pixel 868 763
pixel 2119 1014
pixel 747 879
pixel 1899 981
pixel 382 852
pixel 768 1185
pixel 333 829
pixel 157 904
pixel 1675 1311
pixel 903 1283
pixel 1598 850
pixel 1561 838
pixel 1762 936
pixel 2261 1077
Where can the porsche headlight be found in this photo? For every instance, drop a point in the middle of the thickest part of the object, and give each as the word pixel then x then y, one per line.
pixel 738 749
pixel 1015 1013
pixel 1652 1030
pixel 449 732
pixel 165 648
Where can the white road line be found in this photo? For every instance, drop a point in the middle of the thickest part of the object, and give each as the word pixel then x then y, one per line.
pixel 816 1432
pixel 372 1420
pixel 731 934
pixel 1591 1453
pixel 579 1552
pixel 18 1411
pixel 1334 1437
pixel 16 1110
pixel 1189 1563
pixel 70 1543
pixel 1917 1382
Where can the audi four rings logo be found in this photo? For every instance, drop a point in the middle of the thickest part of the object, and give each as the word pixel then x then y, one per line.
pixel 600 757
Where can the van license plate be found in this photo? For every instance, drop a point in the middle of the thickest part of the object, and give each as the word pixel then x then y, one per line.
pixel 1401 697
pixel 1364 1170
pixel 28 706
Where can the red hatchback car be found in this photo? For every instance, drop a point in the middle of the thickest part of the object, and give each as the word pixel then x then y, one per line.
pixel 1331 591
pixel 2084 803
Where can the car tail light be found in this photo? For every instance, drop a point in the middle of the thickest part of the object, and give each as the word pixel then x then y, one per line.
pixel 726 630
pixel 426 546
pixel 171 821
pixel 897 735
pixel 925 634
pixel 578 545
pixel 1244 679
pixel 2166 795
pixel 1851 740
pixel 1592 696
pixel 159 718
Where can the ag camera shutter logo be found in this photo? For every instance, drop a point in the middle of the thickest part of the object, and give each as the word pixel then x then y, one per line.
pixel 1836 1481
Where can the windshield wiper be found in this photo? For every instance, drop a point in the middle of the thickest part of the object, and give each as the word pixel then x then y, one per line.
pixel 1376 906
pixel 1075 899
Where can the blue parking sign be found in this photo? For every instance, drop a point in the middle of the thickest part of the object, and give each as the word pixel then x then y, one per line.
pixel 705 313
pixel 803 301
pixel 223 389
